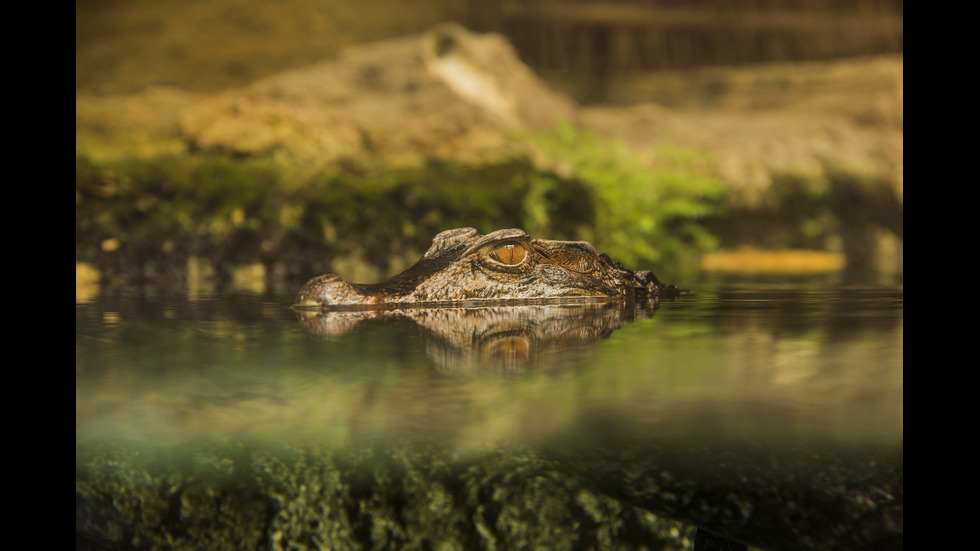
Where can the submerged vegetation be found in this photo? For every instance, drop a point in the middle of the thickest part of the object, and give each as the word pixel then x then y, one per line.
pixel 146 217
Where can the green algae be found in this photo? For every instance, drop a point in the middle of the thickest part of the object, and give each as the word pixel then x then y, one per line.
pixel 230 496
pixel 145 218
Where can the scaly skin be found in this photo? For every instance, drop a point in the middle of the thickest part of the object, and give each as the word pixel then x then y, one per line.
pixel 462 266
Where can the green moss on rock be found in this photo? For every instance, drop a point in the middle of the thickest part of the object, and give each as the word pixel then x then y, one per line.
pixel 144 219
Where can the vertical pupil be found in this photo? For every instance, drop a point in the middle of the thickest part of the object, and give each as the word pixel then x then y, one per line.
pixel 510 253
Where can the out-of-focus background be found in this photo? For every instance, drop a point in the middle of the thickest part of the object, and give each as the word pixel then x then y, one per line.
pixel 258 143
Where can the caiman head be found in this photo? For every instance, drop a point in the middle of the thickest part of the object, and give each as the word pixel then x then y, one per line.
pixel 462 266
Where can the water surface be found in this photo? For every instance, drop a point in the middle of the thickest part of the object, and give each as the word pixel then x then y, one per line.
pixel 798 384
pixel 761 359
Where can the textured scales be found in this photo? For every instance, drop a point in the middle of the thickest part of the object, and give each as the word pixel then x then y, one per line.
pixel 463 266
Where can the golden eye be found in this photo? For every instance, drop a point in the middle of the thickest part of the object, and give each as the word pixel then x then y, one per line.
pixel 510 254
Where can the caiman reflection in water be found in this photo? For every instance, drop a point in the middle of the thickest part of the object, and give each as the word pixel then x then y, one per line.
pixel 462 266
pixel 502 339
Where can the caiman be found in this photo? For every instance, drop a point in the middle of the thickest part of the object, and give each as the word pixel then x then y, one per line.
pixel 464 267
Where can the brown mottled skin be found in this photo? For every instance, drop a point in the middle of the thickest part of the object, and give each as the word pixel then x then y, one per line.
pixel 462 266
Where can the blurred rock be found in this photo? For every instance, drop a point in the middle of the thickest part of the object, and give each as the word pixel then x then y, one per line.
pixel 808 120
pixel 485 70
pixel 829 135
pixel 450 93
pixel 375 100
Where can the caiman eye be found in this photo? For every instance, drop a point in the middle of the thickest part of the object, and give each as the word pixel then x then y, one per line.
pixel 510 254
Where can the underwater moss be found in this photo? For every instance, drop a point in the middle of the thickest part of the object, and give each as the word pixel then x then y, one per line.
pixel 219 496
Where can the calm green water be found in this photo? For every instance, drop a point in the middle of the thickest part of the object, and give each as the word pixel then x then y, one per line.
pixel 820 362
pixel 765 372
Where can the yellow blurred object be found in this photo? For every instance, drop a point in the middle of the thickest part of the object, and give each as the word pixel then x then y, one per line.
pixel 86 282
pixel 249 277
pixel 110 245
pixel 773 261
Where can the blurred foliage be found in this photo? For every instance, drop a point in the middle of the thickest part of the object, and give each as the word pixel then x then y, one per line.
pixel 174 205
pixel 647 211
pixel 143 217
pixel 382 212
